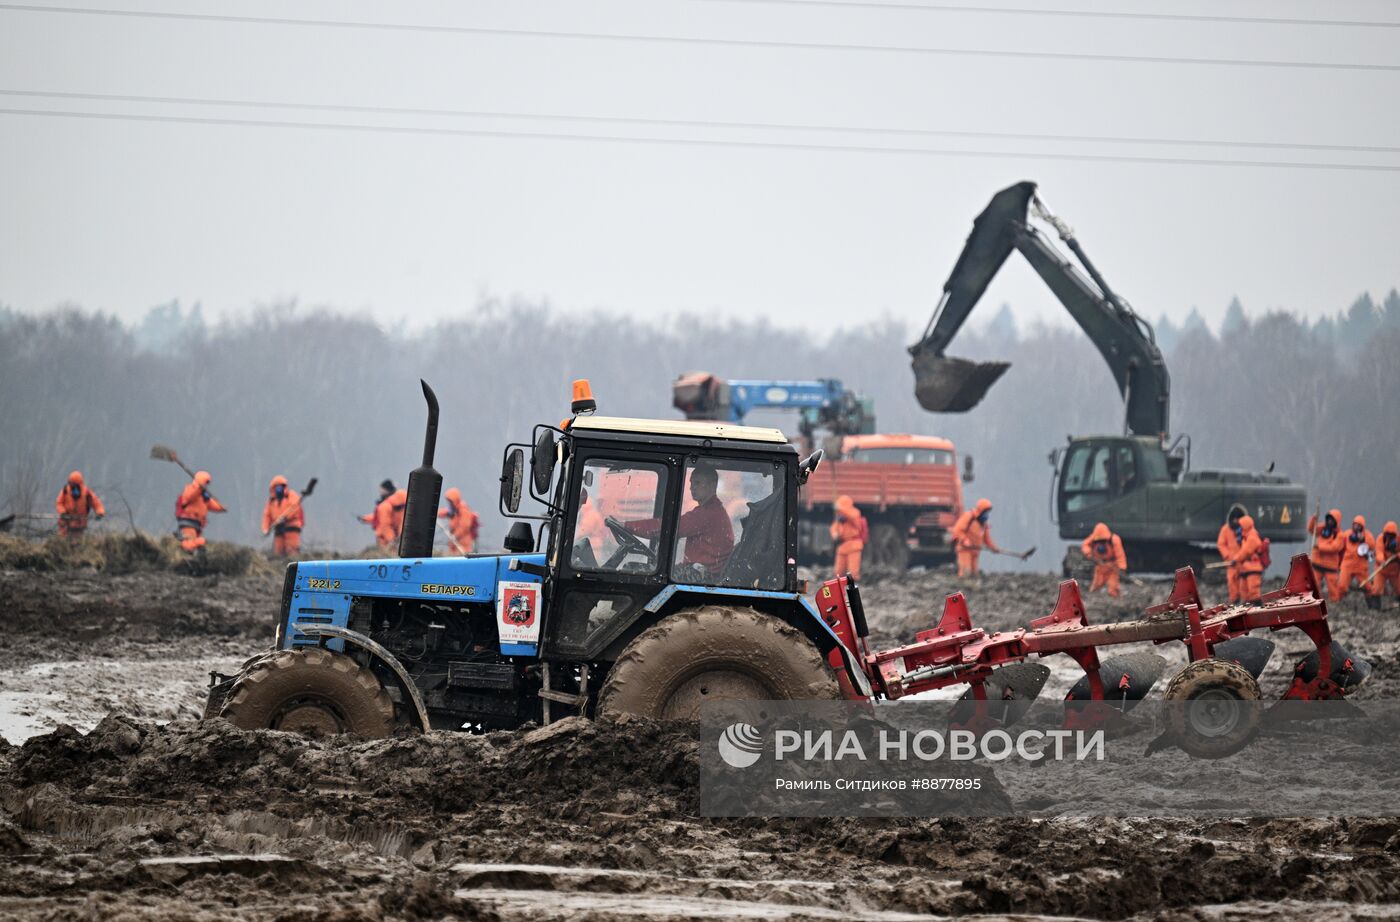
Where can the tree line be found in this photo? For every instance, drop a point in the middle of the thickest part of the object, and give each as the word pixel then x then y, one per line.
pixel 322 393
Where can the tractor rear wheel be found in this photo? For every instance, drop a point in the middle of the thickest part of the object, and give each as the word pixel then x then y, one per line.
pixel 313 691
pixel 1212 708
pixel 714 653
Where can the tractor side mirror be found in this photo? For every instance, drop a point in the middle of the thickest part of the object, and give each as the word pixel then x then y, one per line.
pixel 967 469
pixel 512 477
pixel 808 465
pixel 542 461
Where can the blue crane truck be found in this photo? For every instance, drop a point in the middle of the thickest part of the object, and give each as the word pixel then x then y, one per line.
pixel 616 603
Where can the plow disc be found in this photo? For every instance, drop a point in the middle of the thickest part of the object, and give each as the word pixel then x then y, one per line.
pixel 1348 671
pixel 1250 652
pixel 1011 690
pixel 951 385
pixel 1126 679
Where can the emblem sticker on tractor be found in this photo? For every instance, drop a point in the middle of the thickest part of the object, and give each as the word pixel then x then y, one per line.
pixel 517 612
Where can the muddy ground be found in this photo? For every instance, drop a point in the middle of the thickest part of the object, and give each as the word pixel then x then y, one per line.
pixel 148 813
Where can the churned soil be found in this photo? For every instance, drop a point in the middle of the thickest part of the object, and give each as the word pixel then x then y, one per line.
pixel 147 813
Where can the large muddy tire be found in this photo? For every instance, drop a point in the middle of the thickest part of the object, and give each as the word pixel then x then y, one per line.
pixel 714 653
pixel 312 691
pixel 887 548
pixel 1212 708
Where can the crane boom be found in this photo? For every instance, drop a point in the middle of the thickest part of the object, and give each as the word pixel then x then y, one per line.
pixel 1124 339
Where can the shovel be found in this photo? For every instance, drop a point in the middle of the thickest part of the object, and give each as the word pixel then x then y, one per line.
pixel 450 538
pixel 166 453
pixel 1019 555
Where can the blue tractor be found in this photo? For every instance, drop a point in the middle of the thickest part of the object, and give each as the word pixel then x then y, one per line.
pixel 661 574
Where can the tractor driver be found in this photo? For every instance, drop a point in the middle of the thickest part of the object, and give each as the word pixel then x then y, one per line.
pixel 708 533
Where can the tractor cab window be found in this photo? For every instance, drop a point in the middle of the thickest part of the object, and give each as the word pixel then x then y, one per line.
pixel 732 529
pixel 618 517
pixel 1086 477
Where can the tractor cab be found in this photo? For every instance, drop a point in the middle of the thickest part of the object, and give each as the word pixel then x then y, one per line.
pixel 638 508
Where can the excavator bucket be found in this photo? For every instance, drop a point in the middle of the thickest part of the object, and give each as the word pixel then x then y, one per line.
pixel 1250 652
pixel 950 385
pixel 1011 690
pixel 1126 680
pixel 1348 671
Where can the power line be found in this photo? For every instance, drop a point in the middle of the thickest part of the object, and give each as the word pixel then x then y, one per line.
pixel 704 142
pixel 707 42
pixel 1085 14
pixel 699 123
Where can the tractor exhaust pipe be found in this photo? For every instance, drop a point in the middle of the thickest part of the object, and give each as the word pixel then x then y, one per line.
pixel 424 488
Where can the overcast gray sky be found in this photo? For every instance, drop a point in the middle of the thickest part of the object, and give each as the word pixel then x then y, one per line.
pixel 123 214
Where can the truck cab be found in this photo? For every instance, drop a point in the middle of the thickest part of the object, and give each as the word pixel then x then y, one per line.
pixel 654 569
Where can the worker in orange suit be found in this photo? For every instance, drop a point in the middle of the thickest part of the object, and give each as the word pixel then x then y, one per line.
pixel 1248 561
pixel 1356 558
pixel 1387 553
pixel 387 517
pixel 462 523
pixel 971 533
pixel 1228 544
pixel 1329 542
pixel 849 531
pixel 192 511
pixel 283 516
pixel 1105 549
pixel 74 504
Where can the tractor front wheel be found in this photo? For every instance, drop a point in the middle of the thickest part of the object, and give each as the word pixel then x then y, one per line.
pixel 1212 708
pixel 313 691
pixel 714 653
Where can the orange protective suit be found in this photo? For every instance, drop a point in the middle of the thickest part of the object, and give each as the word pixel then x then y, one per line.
pixel 74 504
pixel 462 523
pixel 283 516
pixel 192 511
pixel 1328 545
pixel 1105 549
pixel 1248 561
pixel 387 518
pixel 971 533
pixel 1387 553
pixel 1356 558
pixel 848 531
pixel 1228 544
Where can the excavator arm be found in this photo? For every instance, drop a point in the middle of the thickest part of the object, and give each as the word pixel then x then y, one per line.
pixel 945 384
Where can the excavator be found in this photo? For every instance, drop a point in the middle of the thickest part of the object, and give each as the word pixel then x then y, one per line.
pixel 1139 483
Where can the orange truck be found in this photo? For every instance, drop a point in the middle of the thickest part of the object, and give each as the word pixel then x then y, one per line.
pixel 908 487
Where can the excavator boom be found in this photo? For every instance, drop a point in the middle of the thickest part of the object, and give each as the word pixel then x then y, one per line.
pixel 944 384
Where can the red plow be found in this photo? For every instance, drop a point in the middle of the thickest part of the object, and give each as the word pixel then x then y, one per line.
pixel 1216 686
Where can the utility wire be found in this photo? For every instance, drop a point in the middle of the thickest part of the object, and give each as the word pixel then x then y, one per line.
pixel 707 42
pixel 703 142
pixel 1084 14
pixel 698 123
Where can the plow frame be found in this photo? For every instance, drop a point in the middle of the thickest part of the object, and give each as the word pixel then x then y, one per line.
pixel 955 652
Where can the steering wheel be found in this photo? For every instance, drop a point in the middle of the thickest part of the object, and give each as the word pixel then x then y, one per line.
pixel 628 541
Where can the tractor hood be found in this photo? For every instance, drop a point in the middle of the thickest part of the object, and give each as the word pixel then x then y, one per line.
pixel 321 592
pixel 451 579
